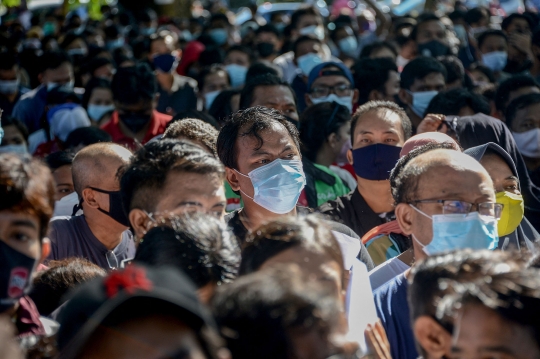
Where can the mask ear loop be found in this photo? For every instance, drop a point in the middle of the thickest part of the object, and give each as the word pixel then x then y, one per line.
pixel 244 193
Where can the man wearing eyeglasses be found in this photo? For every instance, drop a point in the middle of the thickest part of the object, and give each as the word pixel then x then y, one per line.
pixel 444 201
pixel 331 82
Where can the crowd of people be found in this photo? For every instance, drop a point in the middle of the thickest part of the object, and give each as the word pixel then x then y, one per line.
pixel 358 185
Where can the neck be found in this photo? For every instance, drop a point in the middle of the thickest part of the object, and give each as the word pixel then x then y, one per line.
pixel 325 158
pixel 104 228
pixel 253 215
pixel 415 119
pixel 532 163
pixel 11 97
pixel 376 194
pixel 535 69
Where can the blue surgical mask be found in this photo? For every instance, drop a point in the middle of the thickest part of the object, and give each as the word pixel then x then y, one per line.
pixel 96 112
pixel 9 87
pixel 18 149
pixel 495 61
pixel 67 87
pixel 344 101
pixel 307 62
pixel 277 185
pixel 316 30
pixel 375 162
pixel 348 46
pixel 458 231
pixel 237 74
pixel 421 101
pixel 209 98
pixel 115 44
pixel 219 36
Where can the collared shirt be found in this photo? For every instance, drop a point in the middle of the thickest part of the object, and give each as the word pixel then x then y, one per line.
pixel 181 96
pixel 30 107
pixel 158 123
pixel 353 211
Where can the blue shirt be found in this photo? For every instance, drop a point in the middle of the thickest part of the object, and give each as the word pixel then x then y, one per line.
pixel 30 108
pixel 393 311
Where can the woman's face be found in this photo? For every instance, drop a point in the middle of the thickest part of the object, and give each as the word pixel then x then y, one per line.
pixel 12 136
pixel 501 174
pixel 527 119
pixel 101 96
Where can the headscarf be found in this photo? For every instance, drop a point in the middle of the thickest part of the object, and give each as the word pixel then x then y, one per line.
pixel 480 129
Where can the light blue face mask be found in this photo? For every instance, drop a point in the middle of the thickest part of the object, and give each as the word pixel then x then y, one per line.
pixel 348 46
pixel 219 36
pixel 458 231
pixel 237 74
pixel 496 60
pixel 421 101
pixel 67 87
pixel 307 62
pixel 18 149
pixel 209 98
pixel 277 185
pixel 344 101
pixel 96 112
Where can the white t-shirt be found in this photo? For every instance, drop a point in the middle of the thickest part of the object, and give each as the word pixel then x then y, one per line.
pixel 386 271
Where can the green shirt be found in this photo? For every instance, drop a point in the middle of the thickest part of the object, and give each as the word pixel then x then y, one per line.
pixel 327 193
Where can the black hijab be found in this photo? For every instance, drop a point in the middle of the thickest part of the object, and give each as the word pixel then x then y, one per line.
pixel 480 129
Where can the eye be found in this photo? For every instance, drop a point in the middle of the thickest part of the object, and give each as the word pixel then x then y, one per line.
pixel 390 140
pixel 264 161
pixel 20 237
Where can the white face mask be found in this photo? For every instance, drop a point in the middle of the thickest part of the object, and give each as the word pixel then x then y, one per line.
pixel 344 101
pixel 66 205
pixel 528 142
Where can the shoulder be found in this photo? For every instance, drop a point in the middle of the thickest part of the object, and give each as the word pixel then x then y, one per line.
pixel 392 290
pixel 284 58
pixel 335 206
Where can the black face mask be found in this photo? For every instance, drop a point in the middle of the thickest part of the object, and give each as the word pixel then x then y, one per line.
pixel 135 121
pixel 15 276
pixel 116 210
pixel 433 48
pixel 265 49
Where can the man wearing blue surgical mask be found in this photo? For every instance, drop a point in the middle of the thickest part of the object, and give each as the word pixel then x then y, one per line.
pixel 444 201
pixel 237 61
pixel 331 82
pixel 10 87
pixel 56 71
pixel 421 80
pixel 219 30
pixel 493 52
pixel 378 131
pixel 261 153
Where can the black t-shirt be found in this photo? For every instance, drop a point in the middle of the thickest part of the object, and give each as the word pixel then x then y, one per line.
pixel 353 211
pixel 240 231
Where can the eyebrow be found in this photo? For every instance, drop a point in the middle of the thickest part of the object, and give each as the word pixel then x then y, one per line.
pixel 24 223
pixel 512 178
pixel 385 132
pixel 190 203
pixel 220 204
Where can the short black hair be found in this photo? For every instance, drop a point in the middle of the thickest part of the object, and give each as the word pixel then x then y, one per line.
pixel 474 15
pixel 221 107
pixel 386 105
pixel 58 159
pixel 19 125
pixel 142 180
pixel 512 84
pixel 244 49
pixel 452 101
pixel 250 123
pixel 258 312
pixel 199 115
pixel 483 36
pixel 261 68
pixel 477 66
pixel 518 104
pixel 378 45
pixel 420 68
pixel 52 60
pixel 197 244
pixel 422 19
pixel 133 84
pixel 86 136
pixel 301 11
pixel 404 179
pixel 246 96
pixel 7 60
pixel 268 28
pixel 317 123
pixel 371 74
pixel 454 69
pixel 91 85
pixel 302 39
pixel 507 21
pixel 213 69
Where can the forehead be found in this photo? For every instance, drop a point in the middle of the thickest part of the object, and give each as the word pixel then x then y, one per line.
pixel 330 80
pixel 276 135
pixel 522 91
pixel 431 78
pixel 263 95
pixel 236 53
pixel 496 165
pixel 494 39
pixel 307 46
pixel 519 22
pixel 431 25
pixel 378 120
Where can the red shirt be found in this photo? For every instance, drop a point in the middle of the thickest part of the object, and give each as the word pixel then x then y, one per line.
pixel 157 127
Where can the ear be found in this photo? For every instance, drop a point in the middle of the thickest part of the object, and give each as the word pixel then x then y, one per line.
pixel 45 249
pixel 405 97
pixel 232 178
pixel 350 157
pixel 374 95
pixel 332 139
pixel 40 78
pixel 90 199
pixel 308 100
pixel 139 221
pixel 356 95
pixel 432 337
pixel 404 216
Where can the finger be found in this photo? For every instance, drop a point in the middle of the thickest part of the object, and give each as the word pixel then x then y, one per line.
pixel 373 345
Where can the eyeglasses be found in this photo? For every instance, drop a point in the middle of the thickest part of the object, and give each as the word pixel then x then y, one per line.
pixel 112 261
pixel 323 91
pixel 490 209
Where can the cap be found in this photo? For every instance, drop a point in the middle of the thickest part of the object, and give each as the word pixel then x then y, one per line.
pixel 65 118
pixel 319 71
pixel 95 301
pixel 479 151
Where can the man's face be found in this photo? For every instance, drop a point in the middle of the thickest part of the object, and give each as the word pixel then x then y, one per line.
pixel 105 72
pixel 63 181
pixel 8 75
pixel 432 82
pixel 269 37
pixel 277 97
pixel 238 58
pixel 483 333
pixel 378 126
pixel 21 231
pixel 217 81
pixel 308 47
pixel 151 337
pixel 431 30
pixel 501 174
pixel 334 84
pixel 527 119
pixel 308 20
pixel 161 47
pixel 520 26
pixel 61 75
pixel 391 86
pixel 277 144
pixel 494 43
pixel 140 108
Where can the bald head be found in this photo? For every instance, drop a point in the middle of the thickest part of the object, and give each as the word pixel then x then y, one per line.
pixel 97 165
pixel 436 174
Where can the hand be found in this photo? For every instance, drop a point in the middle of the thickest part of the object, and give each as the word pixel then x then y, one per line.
pixel 432 123
pixel 522 42
pixel 377 342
